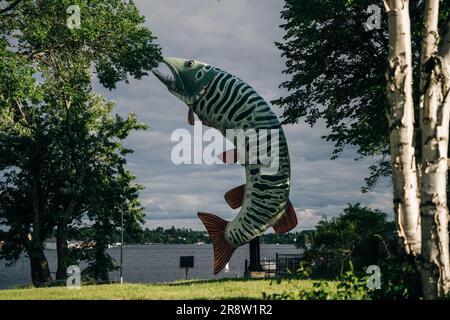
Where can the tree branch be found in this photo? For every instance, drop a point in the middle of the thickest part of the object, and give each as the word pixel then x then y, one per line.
pixel 10 7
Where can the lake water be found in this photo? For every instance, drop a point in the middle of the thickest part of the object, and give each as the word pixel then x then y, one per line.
pixel 154 263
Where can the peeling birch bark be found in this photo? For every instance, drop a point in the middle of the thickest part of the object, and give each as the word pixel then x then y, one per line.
pixel 429 47
pixel 401 126
pixel 430 32
pixel 435 108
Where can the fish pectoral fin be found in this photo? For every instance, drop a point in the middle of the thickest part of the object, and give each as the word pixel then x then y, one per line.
pixel 288 220
pixel 229 156
pixel 191 117
pixel 216 230
pixel 235 197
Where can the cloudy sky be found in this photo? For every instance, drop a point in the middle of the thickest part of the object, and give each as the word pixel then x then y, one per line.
pixel 237 36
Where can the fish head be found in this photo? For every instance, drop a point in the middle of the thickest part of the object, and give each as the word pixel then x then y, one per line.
pixel 189 79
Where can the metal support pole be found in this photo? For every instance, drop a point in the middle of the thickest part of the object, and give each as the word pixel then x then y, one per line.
pixel 121 247
pixel 255 260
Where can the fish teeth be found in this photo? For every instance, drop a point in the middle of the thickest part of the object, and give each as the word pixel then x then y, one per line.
pixel 167 77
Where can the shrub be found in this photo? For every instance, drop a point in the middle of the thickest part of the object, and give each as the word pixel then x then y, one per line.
pixel 349 287
pixel 360 235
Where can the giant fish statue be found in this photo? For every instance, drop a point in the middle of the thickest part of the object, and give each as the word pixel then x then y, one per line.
pixel 223 101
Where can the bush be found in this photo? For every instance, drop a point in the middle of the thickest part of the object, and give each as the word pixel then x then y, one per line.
pixel 400 280
pixel 349 287
pixel 343 247
pixel 360 236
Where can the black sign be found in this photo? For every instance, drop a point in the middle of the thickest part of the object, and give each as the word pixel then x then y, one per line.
pixel 187 262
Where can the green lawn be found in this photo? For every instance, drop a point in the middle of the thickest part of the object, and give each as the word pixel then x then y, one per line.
pixel 185 290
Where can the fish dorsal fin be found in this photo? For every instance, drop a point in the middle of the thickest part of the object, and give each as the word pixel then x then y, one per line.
pixel 288 220
pixel 216 230
pixel 191 118
pixel 235 197
pixel 229 156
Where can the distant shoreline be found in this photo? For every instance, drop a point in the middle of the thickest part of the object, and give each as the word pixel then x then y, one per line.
pixel 52 245
pixel 143 263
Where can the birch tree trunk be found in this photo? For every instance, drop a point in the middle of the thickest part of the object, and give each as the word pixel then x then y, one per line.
pixel 435 105
pixel 401 126
pixel 429 46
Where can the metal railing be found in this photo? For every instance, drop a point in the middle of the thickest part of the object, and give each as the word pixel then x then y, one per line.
pixel 283 264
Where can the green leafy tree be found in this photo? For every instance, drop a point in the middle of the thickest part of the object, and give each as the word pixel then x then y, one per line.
pixel 359 237
pixel 63 151
pixel 336 68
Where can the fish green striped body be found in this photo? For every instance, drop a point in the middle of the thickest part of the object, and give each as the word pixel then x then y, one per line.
pixel 230 103
pixel 225 102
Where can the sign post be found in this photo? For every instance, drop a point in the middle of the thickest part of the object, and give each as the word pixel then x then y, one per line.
pixel 187 262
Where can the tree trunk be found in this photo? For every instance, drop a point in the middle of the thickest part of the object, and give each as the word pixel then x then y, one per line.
pixel 429 46
pixel 61 251
pixel 40 271
pixel 67 215
pixel 61 235
pixel 435 131
pixel 401 126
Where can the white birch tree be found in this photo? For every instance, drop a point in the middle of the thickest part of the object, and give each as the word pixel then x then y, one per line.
pixel 435 108
pixel 433 240
pixel 401 126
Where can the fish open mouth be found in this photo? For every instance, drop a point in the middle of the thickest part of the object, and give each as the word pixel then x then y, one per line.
pixel 173 81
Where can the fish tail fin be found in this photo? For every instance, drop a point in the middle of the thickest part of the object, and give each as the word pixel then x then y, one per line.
pixel 216 230
pixel 288 220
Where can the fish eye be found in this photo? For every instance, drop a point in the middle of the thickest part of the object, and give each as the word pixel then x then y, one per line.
pixel 190 63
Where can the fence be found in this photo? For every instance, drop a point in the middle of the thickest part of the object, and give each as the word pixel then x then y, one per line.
pixel 283 264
